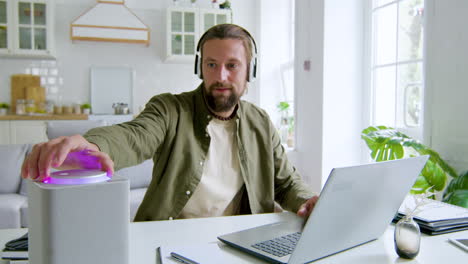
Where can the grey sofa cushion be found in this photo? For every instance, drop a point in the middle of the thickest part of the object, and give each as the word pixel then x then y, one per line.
pixel 139 175
pixel 68 128
pixel 10 205
pixel 11 158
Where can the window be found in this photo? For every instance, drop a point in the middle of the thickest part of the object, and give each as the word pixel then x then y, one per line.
pixel 397 64
pixel 276 68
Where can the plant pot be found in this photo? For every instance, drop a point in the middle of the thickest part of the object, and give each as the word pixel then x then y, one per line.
pixel 86 111
pixel 3 111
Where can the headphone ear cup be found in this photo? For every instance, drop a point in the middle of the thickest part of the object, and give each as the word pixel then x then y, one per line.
pixel 252 70
pixel 198 70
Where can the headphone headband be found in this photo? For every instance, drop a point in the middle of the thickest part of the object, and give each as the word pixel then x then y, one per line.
pixel 252 73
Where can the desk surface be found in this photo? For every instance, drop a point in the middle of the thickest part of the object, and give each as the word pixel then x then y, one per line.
pixel 145 237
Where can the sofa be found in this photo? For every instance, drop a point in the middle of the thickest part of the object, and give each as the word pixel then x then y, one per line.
pixel 13 191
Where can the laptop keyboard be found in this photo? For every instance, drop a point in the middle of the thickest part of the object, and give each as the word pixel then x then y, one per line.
pixel 280 246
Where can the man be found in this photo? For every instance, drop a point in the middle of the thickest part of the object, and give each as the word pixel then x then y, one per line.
pixel 213 154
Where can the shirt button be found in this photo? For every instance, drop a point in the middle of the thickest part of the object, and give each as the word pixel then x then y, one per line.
pixel 188 192
pixel 201 163
pixel 208 117
pixel 171 218
pixel 206 135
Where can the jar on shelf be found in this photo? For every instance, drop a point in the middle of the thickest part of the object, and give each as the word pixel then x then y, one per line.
pixel 67 109
pixel 49 107
pixel 20 107
pixel 57 109
pixel 30 107
pixel 77 109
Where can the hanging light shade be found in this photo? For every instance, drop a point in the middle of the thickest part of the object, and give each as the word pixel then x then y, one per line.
pixel 110 21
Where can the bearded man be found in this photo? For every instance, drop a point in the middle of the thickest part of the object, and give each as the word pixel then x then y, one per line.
pixel 213 153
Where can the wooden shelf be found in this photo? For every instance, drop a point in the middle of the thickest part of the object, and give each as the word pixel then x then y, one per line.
pixel 45 117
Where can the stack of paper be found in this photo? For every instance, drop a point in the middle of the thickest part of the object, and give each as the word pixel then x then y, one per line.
pixel 16 249
pixel 435 217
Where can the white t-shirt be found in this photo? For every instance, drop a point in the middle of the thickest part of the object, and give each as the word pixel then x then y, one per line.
pixel 216 194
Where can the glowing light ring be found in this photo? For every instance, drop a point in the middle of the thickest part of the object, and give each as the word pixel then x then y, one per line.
pixel 76 177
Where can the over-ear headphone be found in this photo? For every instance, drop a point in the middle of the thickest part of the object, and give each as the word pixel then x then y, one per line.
pixel 252 73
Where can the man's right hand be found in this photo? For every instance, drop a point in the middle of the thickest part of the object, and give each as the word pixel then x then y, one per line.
pixel 64 152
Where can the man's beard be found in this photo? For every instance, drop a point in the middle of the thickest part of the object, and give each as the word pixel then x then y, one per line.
pixel 221 103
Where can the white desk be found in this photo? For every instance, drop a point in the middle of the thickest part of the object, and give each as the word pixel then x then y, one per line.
pixel 145 237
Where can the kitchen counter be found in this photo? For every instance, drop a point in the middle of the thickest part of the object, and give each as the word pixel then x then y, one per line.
pixel 45 117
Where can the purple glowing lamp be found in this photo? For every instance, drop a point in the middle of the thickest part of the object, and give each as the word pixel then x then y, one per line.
pixel 89 172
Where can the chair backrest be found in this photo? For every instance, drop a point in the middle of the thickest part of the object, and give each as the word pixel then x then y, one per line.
pixel 67 128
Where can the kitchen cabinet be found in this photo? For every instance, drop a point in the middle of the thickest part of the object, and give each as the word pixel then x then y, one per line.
pixel 4 132
pixel 26 28
pixel 185 25
pixel 34 131
pixel 24 132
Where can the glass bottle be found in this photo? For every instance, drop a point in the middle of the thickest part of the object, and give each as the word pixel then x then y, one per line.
pixel 20 107
pixel 30 107
pixel 407 237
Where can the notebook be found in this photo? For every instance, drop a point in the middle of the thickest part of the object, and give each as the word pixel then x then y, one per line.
pixel 355 206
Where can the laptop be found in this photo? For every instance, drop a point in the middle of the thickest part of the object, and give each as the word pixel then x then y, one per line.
pixel 355 206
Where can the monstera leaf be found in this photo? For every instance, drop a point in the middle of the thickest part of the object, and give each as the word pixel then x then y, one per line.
pixel 457 191
pixel 386 143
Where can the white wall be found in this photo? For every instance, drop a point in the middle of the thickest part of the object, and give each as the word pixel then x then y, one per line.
pixel 329 95
pixel 309 90
pixel 153 75
pixel 275 50
pixel 343 84
pixel 446 107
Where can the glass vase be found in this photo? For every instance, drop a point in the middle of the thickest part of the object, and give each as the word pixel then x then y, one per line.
pixel 407 238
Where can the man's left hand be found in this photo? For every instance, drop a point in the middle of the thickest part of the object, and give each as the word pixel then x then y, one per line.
pixel 307 207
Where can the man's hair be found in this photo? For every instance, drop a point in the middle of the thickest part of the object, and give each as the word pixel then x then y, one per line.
pixel 228 31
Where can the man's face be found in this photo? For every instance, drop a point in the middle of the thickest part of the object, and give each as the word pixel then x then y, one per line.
pixel 224 67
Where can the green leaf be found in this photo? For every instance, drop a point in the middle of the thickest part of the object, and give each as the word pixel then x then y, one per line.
pixel 420 186
pixel 458 197
pixel 459 183
pixel 386 143
pixel 283 106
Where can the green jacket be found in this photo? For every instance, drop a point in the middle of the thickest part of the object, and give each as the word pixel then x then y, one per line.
pixel 172 131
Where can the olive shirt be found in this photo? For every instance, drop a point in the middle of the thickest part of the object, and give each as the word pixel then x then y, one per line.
pixel 172 130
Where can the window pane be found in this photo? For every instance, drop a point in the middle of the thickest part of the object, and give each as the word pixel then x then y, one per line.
pixel 3 13
pixel 189 44
pixel 25 38
pixel 24 13
pixel 221 19
pixel 410 30
pixel 40 38
pixel 410 83
pixel 176 43
pixel 3 37
pixel 176 21
pixel 209 21
pixel 385 33
pixel 189 22
pixel 384 97
pixel 39 14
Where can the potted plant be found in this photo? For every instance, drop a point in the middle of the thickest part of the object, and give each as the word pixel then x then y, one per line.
pixel 86 108
pixel 286 126
pixel 225 5
pixel 4 108
pixel 386 143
